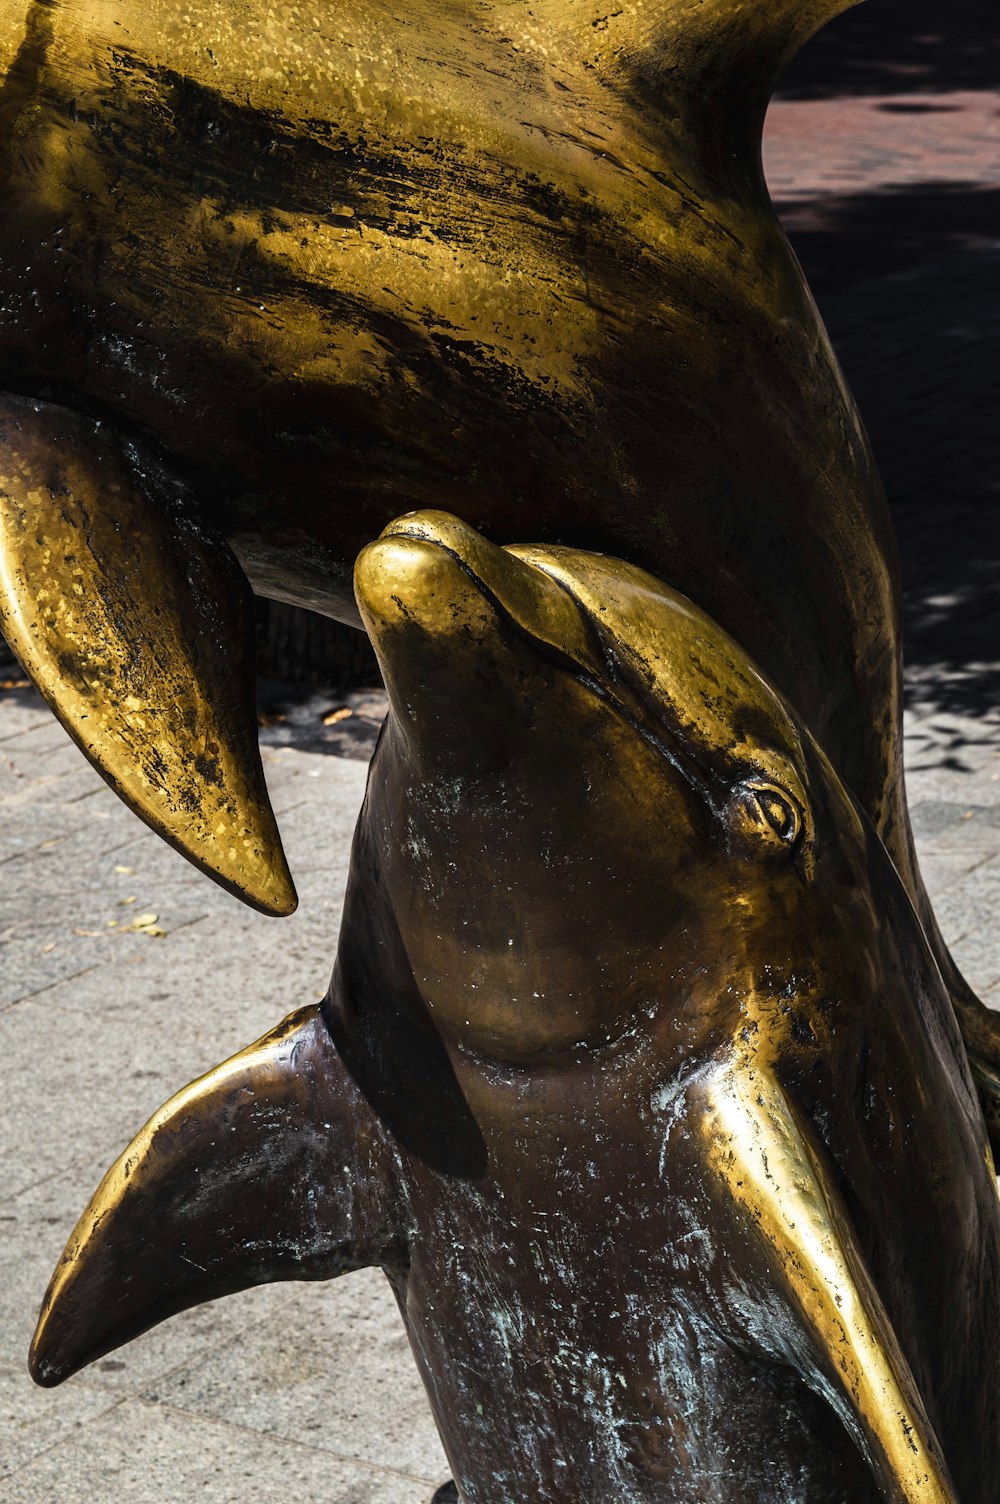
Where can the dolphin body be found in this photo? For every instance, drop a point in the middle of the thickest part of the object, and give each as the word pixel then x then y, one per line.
pixel 636 1075
pixel 269 279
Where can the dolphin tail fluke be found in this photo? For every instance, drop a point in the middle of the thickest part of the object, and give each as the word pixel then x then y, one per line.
pixel 839 1336
pixel 136 626
pixel 270 1167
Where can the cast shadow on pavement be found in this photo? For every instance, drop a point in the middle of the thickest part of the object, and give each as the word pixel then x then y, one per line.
pixel 908 281
pixel 900 47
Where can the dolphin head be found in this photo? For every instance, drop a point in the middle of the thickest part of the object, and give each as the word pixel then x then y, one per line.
pixel 586 798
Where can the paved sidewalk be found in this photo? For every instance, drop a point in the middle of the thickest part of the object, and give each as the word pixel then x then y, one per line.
pixel 882 151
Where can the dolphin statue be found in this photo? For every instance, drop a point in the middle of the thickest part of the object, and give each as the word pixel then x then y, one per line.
pixel 636 1075
pixel 272 278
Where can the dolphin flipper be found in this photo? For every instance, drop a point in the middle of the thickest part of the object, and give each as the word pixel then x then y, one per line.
pixel 136 625
pixel 270 1167
pixel 839 1336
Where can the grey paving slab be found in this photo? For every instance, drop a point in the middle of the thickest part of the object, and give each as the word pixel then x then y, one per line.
pixel 32 1420
pixel 34 1227
pixel 22 712
pixel 953 779
pixel 70 1081
pixel 332 1367
pixel 965 824
pixel 959 913
pixel 144 1453
pixel 943 869
pixel 983 881
pixel 976 955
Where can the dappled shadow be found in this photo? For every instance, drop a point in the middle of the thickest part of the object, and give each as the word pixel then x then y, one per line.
pixel 900 47
pixel 342 721
pixel 15 688
pixel 846 240
pixel 908 281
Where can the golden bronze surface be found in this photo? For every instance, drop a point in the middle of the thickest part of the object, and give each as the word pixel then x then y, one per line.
pixel 137 628
pixel 636 1075
pixel 763 1150
pixel 321 266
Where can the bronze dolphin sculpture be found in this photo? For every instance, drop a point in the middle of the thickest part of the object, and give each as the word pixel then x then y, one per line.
pixel 636 1075
pixel 290 273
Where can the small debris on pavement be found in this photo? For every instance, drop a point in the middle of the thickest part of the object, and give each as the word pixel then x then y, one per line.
pixel 145 924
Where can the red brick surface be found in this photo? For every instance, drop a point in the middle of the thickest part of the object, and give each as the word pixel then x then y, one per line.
pixel 852 144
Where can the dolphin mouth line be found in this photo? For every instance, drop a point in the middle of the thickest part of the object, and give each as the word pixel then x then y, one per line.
pixel 643 719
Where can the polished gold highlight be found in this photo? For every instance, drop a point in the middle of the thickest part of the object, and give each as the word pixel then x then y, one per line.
pixel 767 1159
pixel 640 1072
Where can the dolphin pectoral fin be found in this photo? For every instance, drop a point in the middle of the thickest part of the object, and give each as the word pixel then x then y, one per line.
pixel 270 1167
pixel 136 626
pixel 839 1335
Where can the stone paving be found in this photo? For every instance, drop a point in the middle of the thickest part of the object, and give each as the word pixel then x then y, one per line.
pixel 308 1391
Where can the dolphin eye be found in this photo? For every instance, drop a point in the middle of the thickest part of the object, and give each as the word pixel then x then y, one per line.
pixel 768 811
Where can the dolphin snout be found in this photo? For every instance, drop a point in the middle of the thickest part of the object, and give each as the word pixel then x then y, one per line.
pixel 431 570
